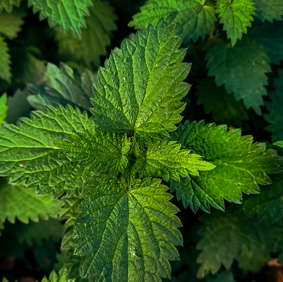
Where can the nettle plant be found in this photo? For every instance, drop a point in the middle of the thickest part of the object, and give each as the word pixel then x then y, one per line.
pixel 113 169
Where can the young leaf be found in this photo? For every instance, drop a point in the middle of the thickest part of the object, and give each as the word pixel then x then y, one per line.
pixel 241 69
pixel 102 151
pixel 62 277
pixel 167 160
pixel 279 143
pixel 28 153
pixel 269 10
pixel 269 35
pixel 268 205
pixel 127 233
pixel 94 39
pixel 224 107
pixel 240 166
pixel 142 85
pixel 195 16
pixel 69 15
pixel 229 236
pixel 8 5
pixel 3 108
pixel 236 16
pixel 17 201
pixel 5 71
pixel 62 86
pixel 10 23
pixel 274 108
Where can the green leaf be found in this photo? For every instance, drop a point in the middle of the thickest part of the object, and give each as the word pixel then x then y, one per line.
pixel 37 232
pixel 195 16
pixel 224 276
pixel 240 166
pixel 224 107
pixel 142 85
pixel 279 143
pixel 18 106
pixel 229 236
pixel 128 233
pixel 62 86
pixel 241 69
pixel 167 160
pixel 268 205
pixel 28 153
pixel 236 16
pixel 3 108
pixel 17 201
pixel 269 10
pixel 8 4
pixel 94 39
pixel 101 151
pixel 274 108
pixel 62 277
pixel 5 70
pixel 269 35
pixel 69 15
pixel 10 23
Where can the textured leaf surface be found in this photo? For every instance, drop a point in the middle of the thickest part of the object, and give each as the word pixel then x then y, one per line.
pixel 101 151
pixel 167 160
pixel 62 86
pixel 128 234
pixel 94 39
pixel 17 201
pixel 270 35
pixel 3 108
pixel 274 107
pixel 39 232
pixel 10 23
pixel 69 15
pixel 268 205
pixel 240 165
pixel 225 237
pixel 236 16
pixel 241 69
pixel 8 4
pixel 28 153
pixel 224 107
pixel 195 16
pixel 5 71
pixel 269 10
pixel 142 85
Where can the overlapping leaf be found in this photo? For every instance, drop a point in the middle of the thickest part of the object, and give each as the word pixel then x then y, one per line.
pixel 240 165
pixel 270 35
pixel 127 233
pixel 62 86
pixel 5 70
pixel 28 153
pixel 166 159
pixel 268 205
pixel 140 89
pixel 101 151
pixel 274 107
pixel 17 201
pixel 62 276
pixel 236 16
pixel 94 39
pixel 269 10
pixel 195 16
pixel 224 108
pixel 241 69
pixel 8 4
pixel 228 237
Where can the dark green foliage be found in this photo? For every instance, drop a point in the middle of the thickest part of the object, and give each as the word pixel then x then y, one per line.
pixel 90 157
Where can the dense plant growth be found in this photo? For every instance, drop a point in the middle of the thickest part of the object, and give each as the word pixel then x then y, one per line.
pixel 91 157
